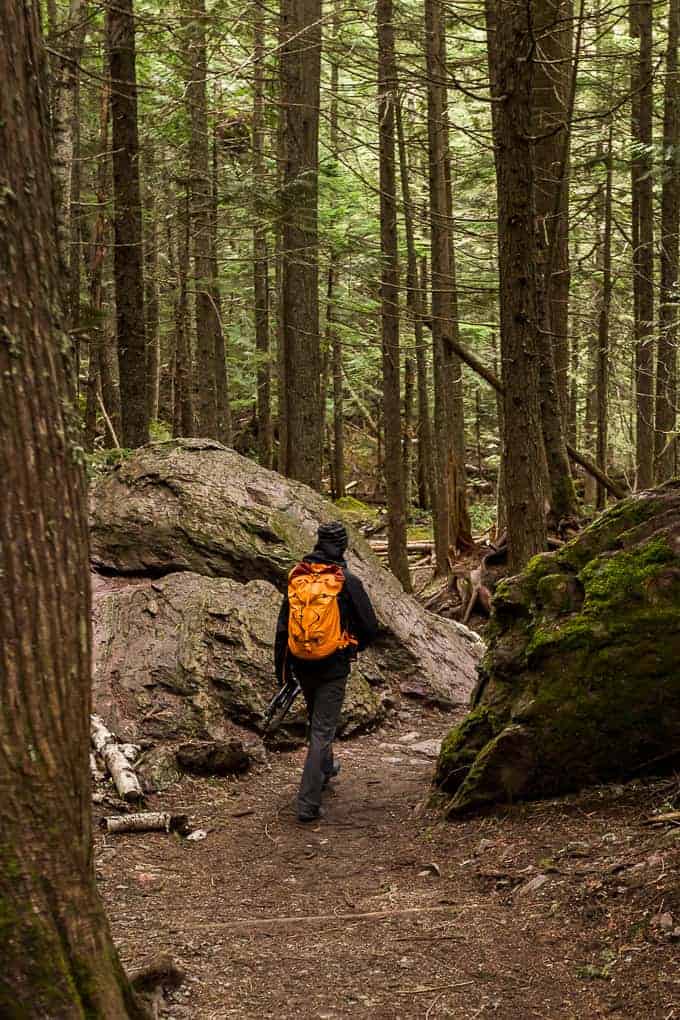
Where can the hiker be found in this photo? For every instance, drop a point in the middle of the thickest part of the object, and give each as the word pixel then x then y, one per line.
pixel 325 620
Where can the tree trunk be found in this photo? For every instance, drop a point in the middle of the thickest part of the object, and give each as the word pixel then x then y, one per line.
pixel 151 303
pixel 166 400
pixel 414 302
pixel 223 409
pixel 408 431
pixel 75 250
pixel 426 478
pixel 300 69
pixel 574 358
pixel 460 531
pixel 338 413
pixel 603 327
pixel 643 239
pixel 389 298
pixel 449 525
pixel 128 266
pixel 509 30
pixel 551 119
pixel 551 95
pixel 68 37
pixel 58 959
pixel 666 373
pixel 265 437
pixel 332 334
pixel 195 70
pixel 184 374
pixel 98 255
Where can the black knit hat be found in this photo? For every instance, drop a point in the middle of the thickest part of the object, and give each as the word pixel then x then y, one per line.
pixel 334 533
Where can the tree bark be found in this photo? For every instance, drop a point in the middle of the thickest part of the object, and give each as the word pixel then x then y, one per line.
pixel 551 120
pixel 223 408
pixel 408 430
pixel 460 530
pixel 551 95
pixel 58 959
pixel 389 298
pixel 166 398
pixel 602 387
pixel 265 436
pixel 98 255
pixel 643 239
pixel 151 302
pixel 128 265
pixel 69 38
pixel 184 374
pixel 449 522
pixel 195 70
pixel 510 34
pixel 75 212
pixel 666 372
pixel 300 69
pixel 333 335
pixel 414 303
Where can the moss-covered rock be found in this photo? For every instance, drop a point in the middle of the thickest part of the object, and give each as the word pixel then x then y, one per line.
pixel 581 678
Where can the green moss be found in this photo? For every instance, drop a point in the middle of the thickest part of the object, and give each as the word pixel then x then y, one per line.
pixel 462 744
pixel 419 533
pixel 614 603
pixel 619 578
pixel 354 509
pixel 500 770
pixel 605 532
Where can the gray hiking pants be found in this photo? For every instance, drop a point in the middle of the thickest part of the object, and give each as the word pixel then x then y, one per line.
pixel 324 704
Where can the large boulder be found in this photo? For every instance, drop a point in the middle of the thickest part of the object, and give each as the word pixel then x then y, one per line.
pixel 190 657
pixel 196 507
pixel 581 679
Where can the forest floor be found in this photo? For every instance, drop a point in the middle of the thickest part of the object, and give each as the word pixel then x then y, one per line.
pixel 558 909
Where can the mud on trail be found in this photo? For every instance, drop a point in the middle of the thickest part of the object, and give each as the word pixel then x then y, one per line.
pixel 565 909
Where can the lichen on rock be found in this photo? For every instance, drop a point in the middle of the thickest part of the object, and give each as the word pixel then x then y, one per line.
pixel 581 679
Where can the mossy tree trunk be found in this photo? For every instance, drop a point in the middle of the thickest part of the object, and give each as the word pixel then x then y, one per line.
pixel 57 956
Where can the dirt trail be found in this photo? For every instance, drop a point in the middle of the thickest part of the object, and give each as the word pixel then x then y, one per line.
pixel 548 910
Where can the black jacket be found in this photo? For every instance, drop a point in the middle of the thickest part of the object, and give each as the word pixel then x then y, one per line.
pixel 356 617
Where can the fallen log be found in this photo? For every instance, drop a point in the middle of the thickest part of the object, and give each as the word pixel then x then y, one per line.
pixel 411 547
pixel 147 821
pixel 119 767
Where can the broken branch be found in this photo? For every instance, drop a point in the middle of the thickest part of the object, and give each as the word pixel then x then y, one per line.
pixel 147 821
pixel 121 770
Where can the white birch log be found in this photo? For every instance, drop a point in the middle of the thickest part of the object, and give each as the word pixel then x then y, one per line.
pixel 122 773
pixel 147 821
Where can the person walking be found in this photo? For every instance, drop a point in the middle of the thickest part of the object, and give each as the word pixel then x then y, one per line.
pixel 325 620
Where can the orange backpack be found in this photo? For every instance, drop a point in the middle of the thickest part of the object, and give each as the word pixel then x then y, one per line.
pixel 314 628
